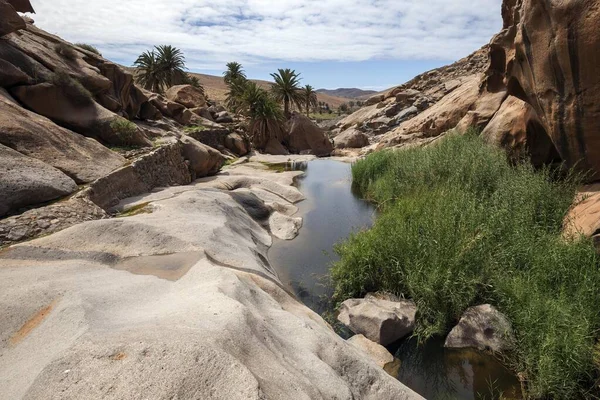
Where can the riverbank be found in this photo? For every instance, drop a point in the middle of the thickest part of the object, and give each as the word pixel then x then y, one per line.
pixel 174 299
pixel 461 227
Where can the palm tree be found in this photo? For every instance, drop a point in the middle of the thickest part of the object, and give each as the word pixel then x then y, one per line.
pixel 286 89
pixel 148 73
pixel 266 116
pixel 160 68
pixel 172 63
pixel 309 96
pixel 237 88
pixel 234 72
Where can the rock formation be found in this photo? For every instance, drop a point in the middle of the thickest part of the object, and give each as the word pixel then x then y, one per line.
pixel 383 320
pixel 483 328
pixel 176 300
pixel 305 135
pixel 546 56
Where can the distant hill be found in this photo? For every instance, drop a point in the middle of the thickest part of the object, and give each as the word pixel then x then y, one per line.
pixel 348 93
pixel 217 90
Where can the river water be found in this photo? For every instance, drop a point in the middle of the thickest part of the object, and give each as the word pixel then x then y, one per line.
pixel 332 211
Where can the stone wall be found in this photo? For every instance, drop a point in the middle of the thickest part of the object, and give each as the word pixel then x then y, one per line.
pixel 160 168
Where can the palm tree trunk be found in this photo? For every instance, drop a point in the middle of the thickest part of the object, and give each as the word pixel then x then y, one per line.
pixel 308 109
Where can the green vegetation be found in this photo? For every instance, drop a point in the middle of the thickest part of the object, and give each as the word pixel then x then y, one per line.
pixel 247 98
pixel 460 226
pixel 163 67
pixel 309 97
pixel 66 51
pixel 235 72
pixel 88 47
pixel 141 208
pixel 286 89
pixel 71 87
pixel 124 128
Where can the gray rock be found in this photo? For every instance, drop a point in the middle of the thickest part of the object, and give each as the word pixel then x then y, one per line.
pixel 223 117
pixel 374 99
pixel 26 181
pixel 484 328
pixel 379 319
pixel 405 114
pixel 351 138
pixel 204 160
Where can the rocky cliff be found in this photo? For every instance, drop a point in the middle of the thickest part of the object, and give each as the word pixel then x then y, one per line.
pixel 536 85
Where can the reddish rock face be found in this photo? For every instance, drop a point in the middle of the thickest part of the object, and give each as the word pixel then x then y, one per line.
pixel 547 55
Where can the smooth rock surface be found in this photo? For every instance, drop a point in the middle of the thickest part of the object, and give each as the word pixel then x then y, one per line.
pixel 81 158
pixel 176 303
pixel 26 181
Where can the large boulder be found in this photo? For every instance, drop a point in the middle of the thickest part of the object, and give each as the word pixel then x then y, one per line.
pixel 381 319
pixel 25 181
pixel 72 106
pixel 351 138
pixel 547 56
pixel 203 160
pixel 376 98
pixel 217 136
pixel 10 21
pixel 483 328
pixel 128 97
pixel 83 159
pixel 171 109
pixel 516 125
pixel 305 135
pixel 186 95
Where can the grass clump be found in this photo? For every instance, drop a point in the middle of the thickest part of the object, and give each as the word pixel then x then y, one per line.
pixel 459 227
pixel 66 51
pixel 123 128
pixel 71 87
pixel 88 47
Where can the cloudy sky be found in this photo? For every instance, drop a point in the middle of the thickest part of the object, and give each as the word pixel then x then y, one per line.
pixel 333 43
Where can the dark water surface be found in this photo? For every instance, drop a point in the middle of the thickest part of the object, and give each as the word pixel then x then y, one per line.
pixel 331 212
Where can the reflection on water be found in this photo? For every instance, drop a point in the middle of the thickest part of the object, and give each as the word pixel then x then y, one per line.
pixel 437 373
pixel 331 212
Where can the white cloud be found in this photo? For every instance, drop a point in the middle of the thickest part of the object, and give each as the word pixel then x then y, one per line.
pixel 254 31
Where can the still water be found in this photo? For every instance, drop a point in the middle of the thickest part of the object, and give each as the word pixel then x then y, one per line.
pixel 331 212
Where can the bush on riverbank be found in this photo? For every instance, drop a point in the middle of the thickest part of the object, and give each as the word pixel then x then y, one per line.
pixel 459 227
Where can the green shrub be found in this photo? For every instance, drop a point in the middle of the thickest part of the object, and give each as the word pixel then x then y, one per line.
pixel 71 87
pixel 66 51
pixel 460 226
pixel 123 128
pixel 89 48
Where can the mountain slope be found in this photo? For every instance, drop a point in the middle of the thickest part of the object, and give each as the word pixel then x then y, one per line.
pixel 217 90
pixel 348 93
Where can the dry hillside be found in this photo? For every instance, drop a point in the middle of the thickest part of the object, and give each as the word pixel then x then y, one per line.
pixel 216 89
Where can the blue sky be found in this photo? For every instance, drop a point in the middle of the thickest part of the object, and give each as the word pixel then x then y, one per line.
pixel 371 44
